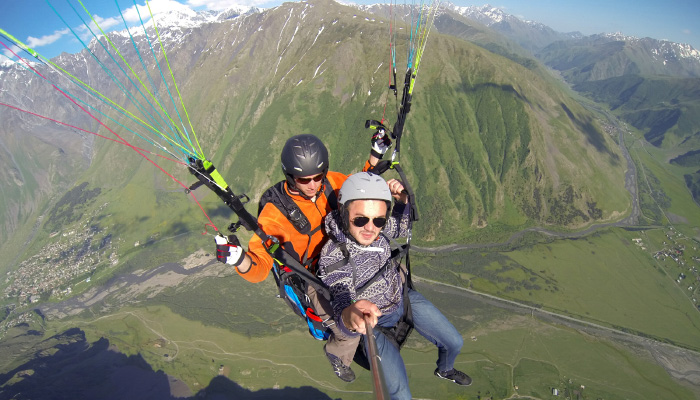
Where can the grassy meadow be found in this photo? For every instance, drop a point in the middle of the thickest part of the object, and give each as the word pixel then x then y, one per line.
pixel 484 163
pixel 223 329
pixel 604 278
pixel 664 196
pixel 506 354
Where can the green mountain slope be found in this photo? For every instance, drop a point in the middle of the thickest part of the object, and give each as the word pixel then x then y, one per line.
pixel 599 57
pixel 652 84
pixel 490 146
pixel 664 108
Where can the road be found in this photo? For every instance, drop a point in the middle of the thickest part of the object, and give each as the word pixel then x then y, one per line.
pixel 679 362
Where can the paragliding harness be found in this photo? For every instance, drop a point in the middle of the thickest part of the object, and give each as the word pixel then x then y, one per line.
pixel 279 198
pixel 293 287
pixel 292 277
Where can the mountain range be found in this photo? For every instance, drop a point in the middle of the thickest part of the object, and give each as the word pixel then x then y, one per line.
pixel 514 140
pixel 494 142
pixel 650 83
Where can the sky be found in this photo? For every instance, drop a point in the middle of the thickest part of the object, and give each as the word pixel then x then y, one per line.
pixel 35 22
pixel 674 20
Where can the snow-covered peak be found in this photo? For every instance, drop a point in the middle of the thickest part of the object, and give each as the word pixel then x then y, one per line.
pixel 485 14
pixel 15 69
pixel 620 37
pixel 664 48
pixel 674 50
pixel 490 15
pixel 183 18
pixel 686 50
pixel 186 18
pixel 5 66
pixel 235 11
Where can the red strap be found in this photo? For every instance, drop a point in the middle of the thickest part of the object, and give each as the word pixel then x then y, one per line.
pixel 311 314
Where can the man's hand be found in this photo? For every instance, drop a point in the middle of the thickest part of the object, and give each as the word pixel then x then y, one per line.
pixel 353 315
pixel 380 143
pixel 229 250
pixel 397 190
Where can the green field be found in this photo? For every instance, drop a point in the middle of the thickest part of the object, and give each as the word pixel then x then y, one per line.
pixel 664 196
pixel 604 278
pixel 502 351
pixel 607 278
pixel 214 331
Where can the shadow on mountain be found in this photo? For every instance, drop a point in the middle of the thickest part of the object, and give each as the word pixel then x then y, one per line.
pixel 221 388
pixel 67 366
pixel 593 134
pixel 490 85
pixel 660 122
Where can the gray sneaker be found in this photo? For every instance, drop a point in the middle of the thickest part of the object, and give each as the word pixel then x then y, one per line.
pixel 341 371
pixel 455 376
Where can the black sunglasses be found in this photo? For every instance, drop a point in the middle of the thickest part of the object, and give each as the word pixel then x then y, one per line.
pixel 306 181
pixel 362 221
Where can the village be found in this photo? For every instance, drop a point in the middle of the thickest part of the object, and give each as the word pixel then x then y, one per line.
pixel 680 258
pixel 70 256
pixel 74 254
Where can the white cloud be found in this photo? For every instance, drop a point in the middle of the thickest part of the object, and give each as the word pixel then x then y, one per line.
pixel 687 32
pixel 221 5
pixel 46 39
pixel 105 23
pixel 7 53
pixel 10 58
pixel 156 7
pixel 131 16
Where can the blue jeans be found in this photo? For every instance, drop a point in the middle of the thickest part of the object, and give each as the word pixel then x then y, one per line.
pixel 432 325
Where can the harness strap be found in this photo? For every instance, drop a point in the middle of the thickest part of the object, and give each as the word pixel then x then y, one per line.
pixel 285 259
pixel 278 196
pixel 282 257
pixel 395 253
pixel 347 260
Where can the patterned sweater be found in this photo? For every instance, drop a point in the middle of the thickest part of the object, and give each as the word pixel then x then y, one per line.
pixel 386 289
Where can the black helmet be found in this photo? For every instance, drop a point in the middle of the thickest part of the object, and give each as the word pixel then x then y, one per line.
pixel 303 155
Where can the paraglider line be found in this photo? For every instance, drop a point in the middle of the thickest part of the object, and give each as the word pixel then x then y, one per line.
pixel 136 149
pixel 90 132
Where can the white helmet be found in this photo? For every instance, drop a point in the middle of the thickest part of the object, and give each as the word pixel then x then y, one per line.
pixel 364 186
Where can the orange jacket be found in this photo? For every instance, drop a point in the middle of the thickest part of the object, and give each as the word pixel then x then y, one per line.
pixel 275 223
